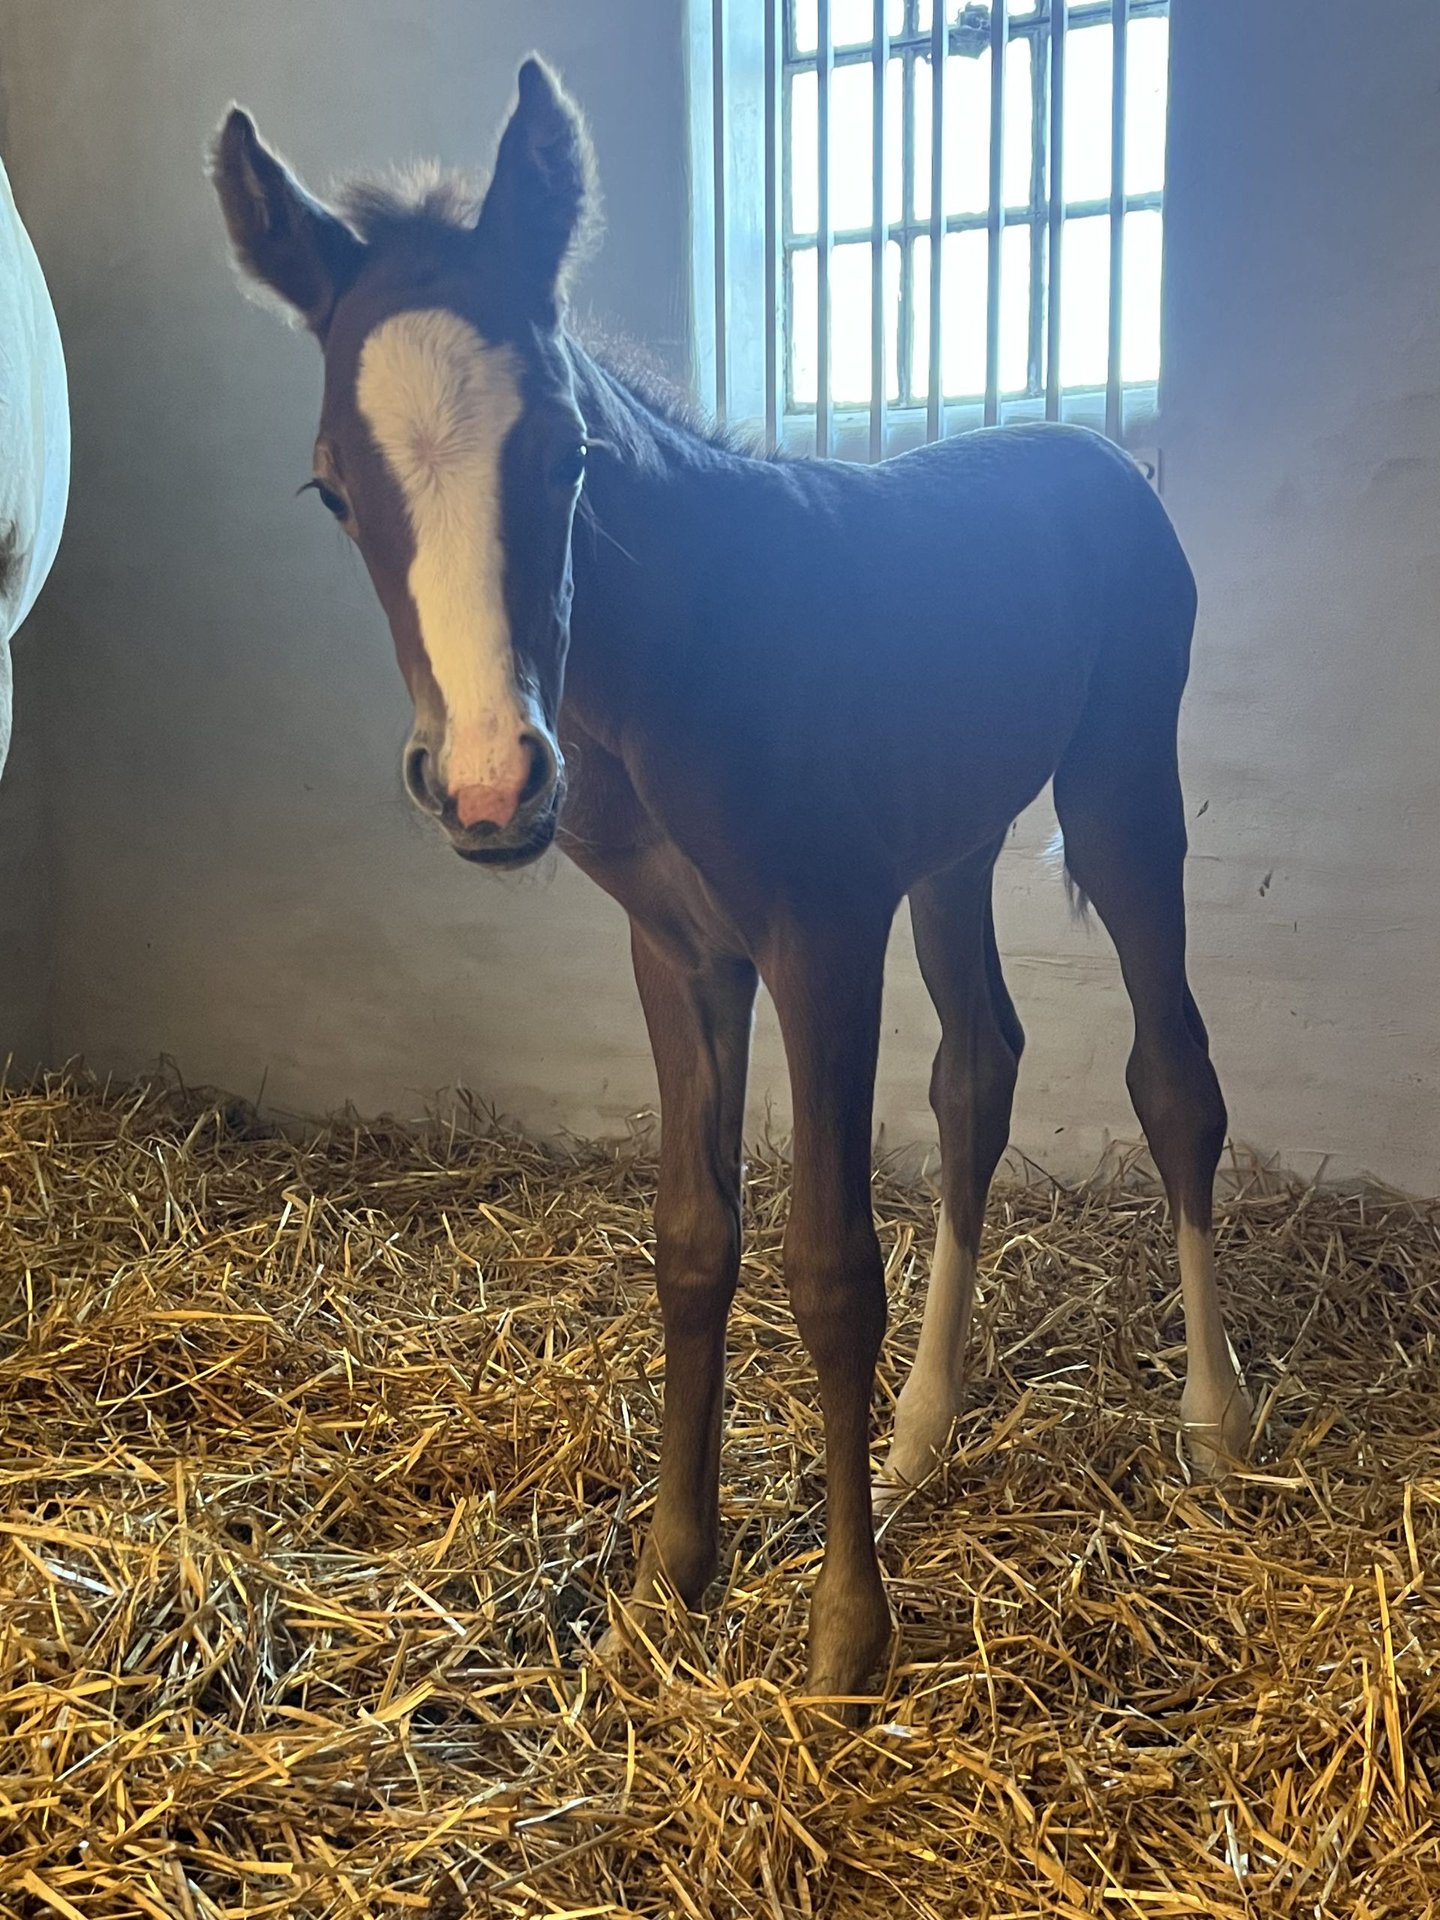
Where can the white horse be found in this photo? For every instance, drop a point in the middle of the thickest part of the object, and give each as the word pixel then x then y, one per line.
pixel 34 436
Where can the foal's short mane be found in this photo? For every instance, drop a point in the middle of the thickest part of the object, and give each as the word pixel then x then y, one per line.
pixel 421 198
pixel 633 368
pixel 427 202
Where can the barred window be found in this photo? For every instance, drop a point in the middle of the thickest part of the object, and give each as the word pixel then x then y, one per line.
pixel 851 141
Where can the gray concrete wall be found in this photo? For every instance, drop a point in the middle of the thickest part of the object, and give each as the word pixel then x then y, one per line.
pixel 237 880
pixel 239 883
pixel 26 944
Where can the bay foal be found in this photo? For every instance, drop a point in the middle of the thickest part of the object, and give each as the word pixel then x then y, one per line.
pixel 760 701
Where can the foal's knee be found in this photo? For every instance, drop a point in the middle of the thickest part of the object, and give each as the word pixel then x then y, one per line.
pixel 837 1294
pixel 697 1254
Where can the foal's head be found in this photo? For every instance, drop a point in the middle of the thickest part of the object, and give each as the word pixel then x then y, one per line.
pixel 450 448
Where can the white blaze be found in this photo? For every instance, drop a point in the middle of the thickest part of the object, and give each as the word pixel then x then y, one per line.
pixel 440 401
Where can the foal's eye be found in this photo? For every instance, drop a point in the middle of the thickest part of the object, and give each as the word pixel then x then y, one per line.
pixel 569 469
pixel 329 499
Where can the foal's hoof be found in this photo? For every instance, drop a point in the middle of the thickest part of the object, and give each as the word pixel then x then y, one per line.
pixel 623 1648
pixel 839 1702
pixel 823 1722
pixel 905 1469
pixel 1215 1446
pixel 614 1649
pixel 891 1488
pixel 849 1645
pixel 924 1435
pixel 887 1492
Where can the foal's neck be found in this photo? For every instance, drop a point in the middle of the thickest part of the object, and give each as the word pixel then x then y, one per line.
pixel 638 418
pixel 649 525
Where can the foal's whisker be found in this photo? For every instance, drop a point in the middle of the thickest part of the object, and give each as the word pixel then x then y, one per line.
pixel 593 520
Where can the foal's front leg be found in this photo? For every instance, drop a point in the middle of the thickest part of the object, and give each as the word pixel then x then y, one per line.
pixel 827 995
pixel 698 1010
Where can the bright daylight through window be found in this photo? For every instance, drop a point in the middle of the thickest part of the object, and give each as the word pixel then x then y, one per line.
pixel 1086 140
pixel 823 135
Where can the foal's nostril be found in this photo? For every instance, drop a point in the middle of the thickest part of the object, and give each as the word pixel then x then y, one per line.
pixel 419 778
pixel 541 776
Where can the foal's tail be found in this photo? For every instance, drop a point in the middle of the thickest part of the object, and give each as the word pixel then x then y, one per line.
pixel 1054 855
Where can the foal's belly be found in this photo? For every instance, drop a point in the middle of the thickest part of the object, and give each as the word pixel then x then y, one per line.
pixel 937 732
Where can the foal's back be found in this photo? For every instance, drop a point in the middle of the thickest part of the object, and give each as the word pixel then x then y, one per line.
pixel 919 639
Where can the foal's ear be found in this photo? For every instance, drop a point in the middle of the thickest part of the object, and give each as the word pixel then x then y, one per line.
pixel 543 200
pixel 283 237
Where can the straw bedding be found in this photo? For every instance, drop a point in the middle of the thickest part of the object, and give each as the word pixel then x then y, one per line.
pixel 317 1459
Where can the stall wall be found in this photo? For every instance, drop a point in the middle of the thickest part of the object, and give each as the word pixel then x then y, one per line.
pixel 237 882
pixel 25 930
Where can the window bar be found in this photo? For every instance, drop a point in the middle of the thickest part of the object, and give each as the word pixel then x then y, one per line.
pixel 1114 392
pixel 824 64
pixel 934 410
pixel 717 75
pixel 905 332
pixel 772 223
pixel 881 61
pixel 1038 210
pixel 999 39
pixel 1057 207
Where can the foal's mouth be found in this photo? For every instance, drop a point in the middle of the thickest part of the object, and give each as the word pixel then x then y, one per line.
pixel 536 843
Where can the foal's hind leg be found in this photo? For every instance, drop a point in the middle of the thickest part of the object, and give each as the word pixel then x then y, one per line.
pixel 1123 819
pixel 971 1089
